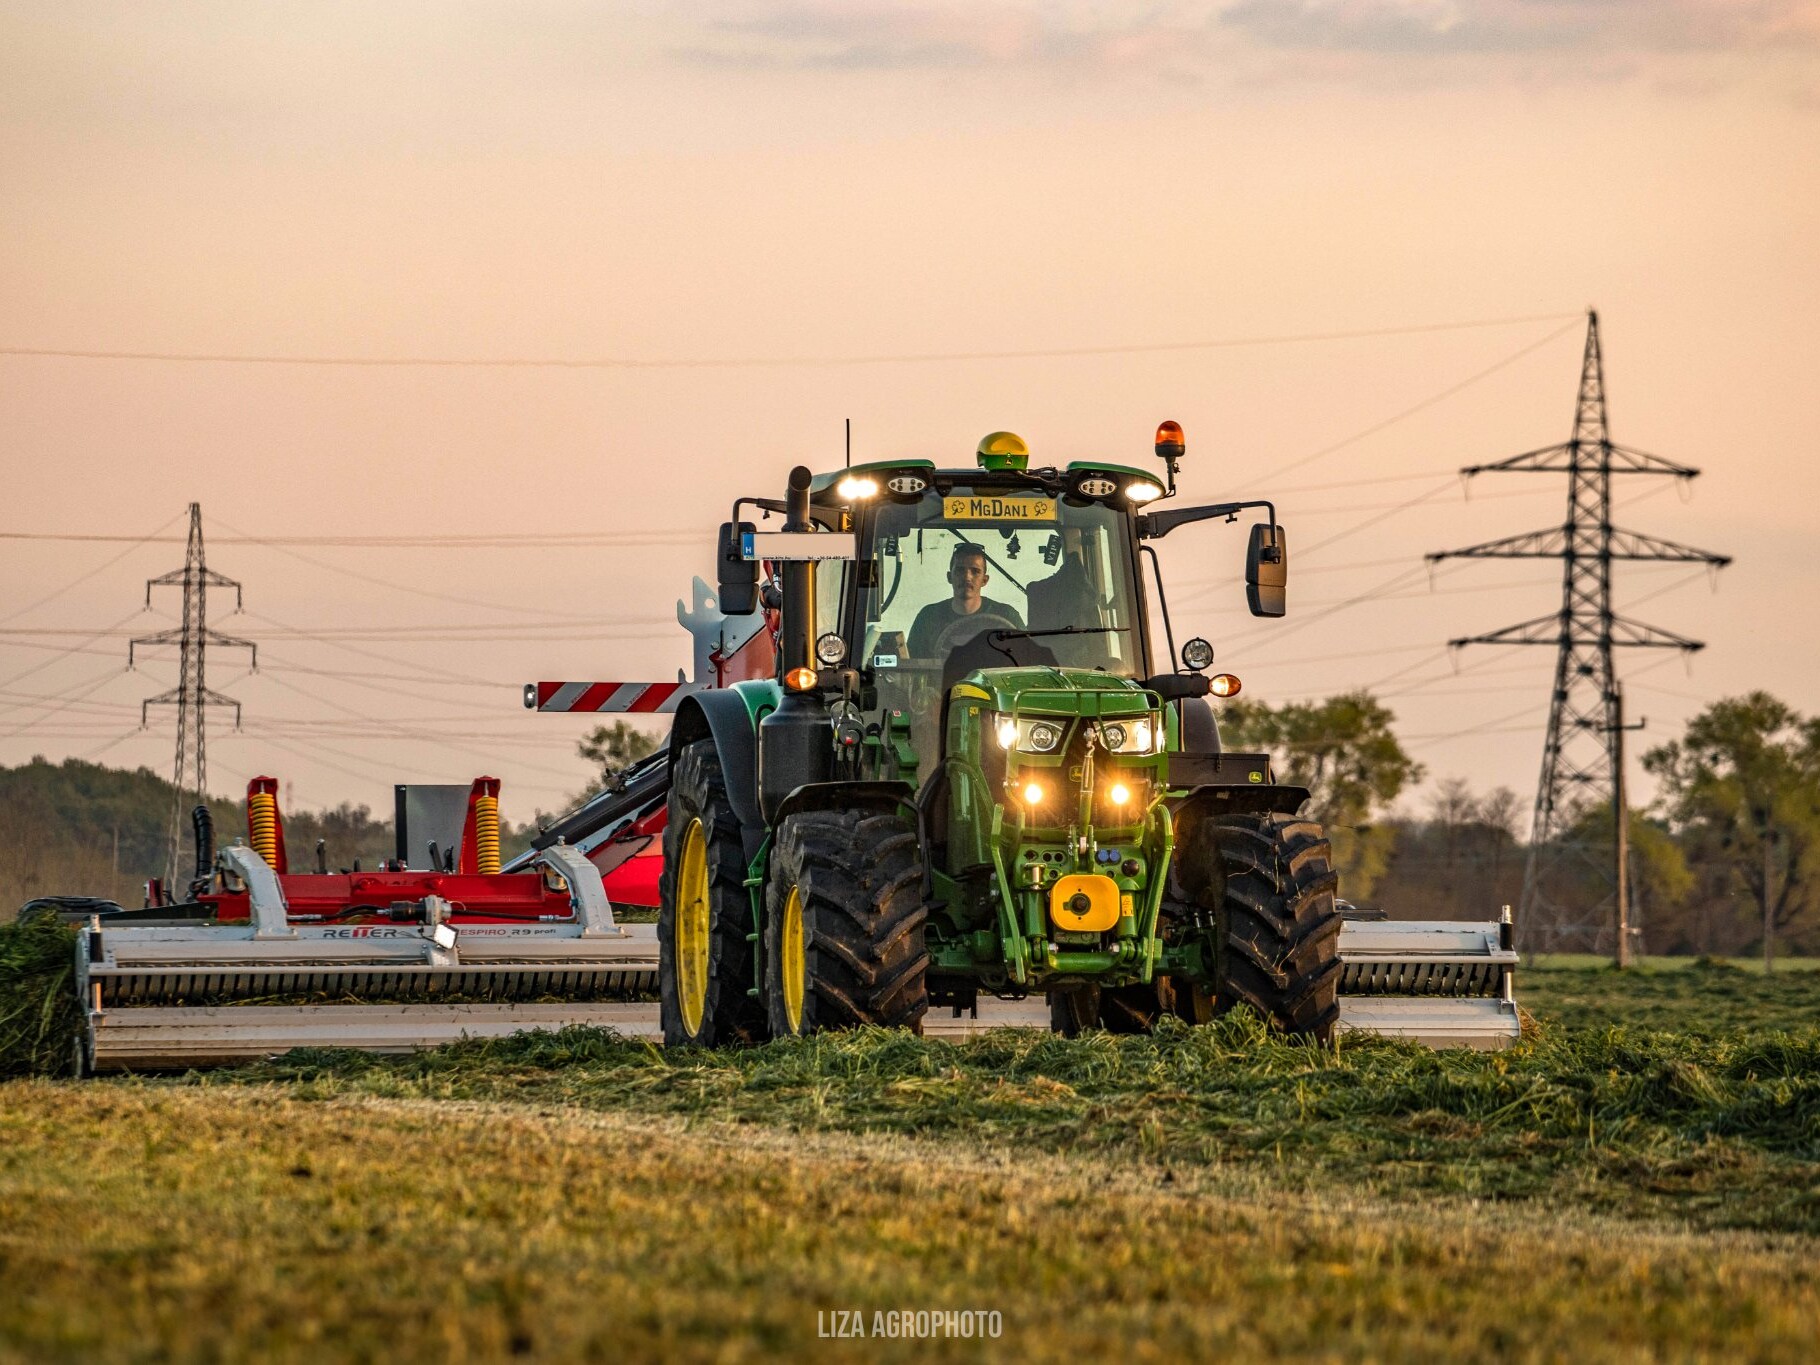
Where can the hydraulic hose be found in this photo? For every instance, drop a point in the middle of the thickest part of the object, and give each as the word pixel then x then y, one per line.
pixel 204 825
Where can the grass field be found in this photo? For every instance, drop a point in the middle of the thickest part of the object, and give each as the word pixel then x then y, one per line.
pixel 1684 994
pixel 1598 1193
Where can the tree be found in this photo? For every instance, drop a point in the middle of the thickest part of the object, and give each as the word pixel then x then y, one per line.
pixel 1454 807
pixel 615 748
pixel 1742 787
pixel 1344 751
pixel 1661 883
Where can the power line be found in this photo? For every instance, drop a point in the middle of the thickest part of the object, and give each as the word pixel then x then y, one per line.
pixel 375 654
pixel 1426 403
pixel 79 648
pixel 530 540
pixel 133 544
pixel 1583 754
pixel 511 608
pixel 192 695
pixel 758 362
pixel 403 732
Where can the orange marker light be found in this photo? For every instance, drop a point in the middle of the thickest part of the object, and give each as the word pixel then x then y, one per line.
pixel 1033 794
pixel 1120 793
pixel 1224 685
pixel 1169 443
pixel 800 679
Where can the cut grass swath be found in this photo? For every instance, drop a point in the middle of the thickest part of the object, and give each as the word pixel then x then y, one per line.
pixel 40 1017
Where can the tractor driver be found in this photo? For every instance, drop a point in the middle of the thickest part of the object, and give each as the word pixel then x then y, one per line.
pixel 968 577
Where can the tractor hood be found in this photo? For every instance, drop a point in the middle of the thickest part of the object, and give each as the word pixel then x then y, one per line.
pixel 1045 690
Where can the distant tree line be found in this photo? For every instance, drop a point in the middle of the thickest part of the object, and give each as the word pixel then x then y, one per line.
pixel 1726 861
pixel 76 828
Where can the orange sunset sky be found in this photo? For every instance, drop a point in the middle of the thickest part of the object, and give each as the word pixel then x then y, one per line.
pixel 756 220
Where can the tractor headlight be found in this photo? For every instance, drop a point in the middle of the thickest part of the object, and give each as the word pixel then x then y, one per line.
pixel 1140 736
pixel 857 486
pixel 1141 491
pixel 1028 734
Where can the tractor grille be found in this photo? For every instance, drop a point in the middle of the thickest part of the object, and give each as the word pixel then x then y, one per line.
pixel 1060 806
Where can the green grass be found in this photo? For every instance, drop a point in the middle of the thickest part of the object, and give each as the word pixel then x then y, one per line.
pixel 1693 995
pixel 39 1013
pixel 1720 1132
pixel 1672 964
pixel 1640 1178
pixel 172 1222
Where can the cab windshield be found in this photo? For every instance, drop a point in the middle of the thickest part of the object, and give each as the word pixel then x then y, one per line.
pixel 955 565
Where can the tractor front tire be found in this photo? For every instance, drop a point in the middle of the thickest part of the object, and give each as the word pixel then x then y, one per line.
pixel 704 954
pixel 1267 883
pixel 844 921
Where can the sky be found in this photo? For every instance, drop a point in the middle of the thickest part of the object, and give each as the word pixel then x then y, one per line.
pixel 1348 244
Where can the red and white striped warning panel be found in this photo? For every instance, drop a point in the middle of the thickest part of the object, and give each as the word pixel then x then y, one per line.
pixel 649 698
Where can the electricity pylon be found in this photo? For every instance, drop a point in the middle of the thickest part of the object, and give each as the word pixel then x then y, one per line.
pixel 1583 756
pixel 191 696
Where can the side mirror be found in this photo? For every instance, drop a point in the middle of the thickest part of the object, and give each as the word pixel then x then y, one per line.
pixel 738 576
pixel 1267 570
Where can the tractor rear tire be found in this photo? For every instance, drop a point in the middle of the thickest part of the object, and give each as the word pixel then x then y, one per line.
pixel 704 956
pixel 1267 881
pixel 844 920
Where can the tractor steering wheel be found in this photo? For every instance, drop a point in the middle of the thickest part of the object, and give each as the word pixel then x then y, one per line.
pixel 970 627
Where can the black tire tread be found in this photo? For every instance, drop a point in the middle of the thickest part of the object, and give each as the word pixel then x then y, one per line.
pixel 730 1014
pixel 1268 880
pixel 861 877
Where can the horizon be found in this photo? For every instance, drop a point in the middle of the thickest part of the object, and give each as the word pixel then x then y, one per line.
pixel 753 222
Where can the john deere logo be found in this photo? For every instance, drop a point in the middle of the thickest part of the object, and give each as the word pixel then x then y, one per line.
pixel 1256 776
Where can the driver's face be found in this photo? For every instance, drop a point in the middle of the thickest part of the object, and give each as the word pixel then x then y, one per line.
pixel 968 576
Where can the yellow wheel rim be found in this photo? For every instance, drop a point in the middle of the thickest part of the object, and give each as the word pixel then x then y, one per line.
pixel 793 959
pixel 692 928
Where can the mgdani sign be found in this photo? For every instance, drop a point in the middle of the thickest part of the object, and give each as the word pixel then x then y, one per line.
pixel 984 507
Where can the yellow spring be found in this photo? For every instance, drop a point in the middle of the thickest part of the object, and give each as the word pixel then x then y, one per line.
pixel 262 824
pixel 486 835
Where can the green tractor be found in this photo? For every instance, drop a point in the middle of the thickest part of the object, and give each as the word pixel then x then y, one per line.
pixel 976 772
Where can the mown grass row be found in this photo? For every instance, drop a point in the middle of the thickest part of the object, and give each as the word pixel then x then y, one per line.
pixel 1698 995
pixel 39 1012
pixel 1718 1120
pixel 1722 1130
pixel 167 1222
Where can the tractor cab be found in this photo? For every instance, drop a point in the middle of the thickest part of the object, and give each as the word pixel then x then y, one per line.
pixel 961 571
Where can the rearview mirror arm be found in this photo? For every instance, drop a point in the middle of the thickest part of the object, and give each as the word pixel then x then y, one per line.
pixel 1156 525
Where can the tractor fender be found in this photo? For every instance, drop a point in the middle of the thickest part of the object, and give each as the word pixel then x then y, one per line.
pixel 847 796
pixel 1217 799
pixel 729 716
